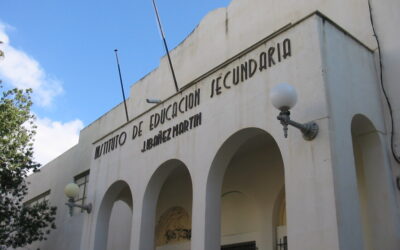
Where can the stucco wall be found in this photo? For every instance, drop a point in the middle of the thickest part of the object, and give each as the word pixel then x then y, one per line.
pixel 54 177
pixel 386 19
pixel 351 79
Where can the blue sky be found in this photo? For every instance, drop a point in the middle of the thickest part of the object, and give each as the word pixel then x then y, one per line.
pixel 67 48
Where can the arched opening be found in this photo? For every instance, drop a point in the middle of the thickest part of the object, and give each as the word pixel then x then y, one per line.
pixel 248 175
pixel 114 220
pixel 167 209
pixel 373 184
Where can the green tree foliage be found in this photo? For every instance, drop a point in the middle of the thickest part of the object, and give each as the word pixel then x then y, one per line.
pixel 20 224
pixel 1 52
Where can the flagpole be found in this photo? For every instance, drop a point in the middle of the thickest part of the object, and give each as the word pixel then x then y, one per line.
pixel 122 86
pixel 165 46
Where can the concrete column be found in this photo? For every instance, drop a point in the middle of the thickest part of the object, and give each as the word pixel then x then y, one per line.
pixel 136 222
pixel 206 209
pixel 345 186
pixel 199 216
pixel 148 213
pixel 213 215
pixel 310 197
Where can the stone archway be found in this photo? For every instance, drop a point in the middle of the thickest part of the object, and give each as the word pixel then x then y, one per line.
pixel 114 219
pixel 375 187
pixel 248 167
pixel 167 208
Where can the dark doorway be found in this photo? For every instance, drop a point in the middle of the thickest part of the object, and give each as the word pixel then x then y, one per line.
pixel 251 245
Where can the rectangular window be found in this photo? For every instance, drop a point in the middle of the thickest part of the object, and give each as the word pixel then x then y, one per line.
pixel 82 180
pixel 38 199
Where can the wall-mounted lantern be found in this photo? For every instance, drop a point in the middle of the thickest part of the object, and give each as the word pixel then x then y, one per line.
pixel 284 97
pixel 72 191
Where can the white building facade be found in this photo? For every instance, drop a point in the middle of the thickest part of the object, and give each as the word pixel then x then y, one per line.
pixel 209 166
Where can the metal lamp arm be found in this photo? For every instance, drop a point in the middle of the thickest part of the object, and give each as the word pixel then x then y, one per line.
pixel 71 204
pixel 309 130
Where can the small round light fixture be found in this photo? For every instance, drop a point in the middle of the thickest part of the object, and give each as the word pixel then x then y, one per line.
pixel 283 96
pixel 71 190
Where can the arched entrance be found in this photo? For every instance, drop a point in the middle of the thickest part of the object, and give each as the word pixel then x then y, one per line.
pixel 167 209
pixel 248 176
pixel 114 220
pixel 374 186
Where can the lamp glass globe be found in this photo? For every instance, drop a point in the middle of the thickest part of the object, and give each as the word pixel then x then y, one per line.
pixel 283 96
pixel 71 190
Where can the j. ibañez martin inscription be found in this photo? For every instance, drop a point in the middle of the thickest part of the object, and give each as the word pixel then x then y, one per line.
pixel 225 79
pixel 172 132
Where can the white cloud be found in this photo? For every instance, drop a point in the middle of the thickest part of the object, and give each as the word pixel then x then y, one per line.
pixel 53 138
pixel 23 71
